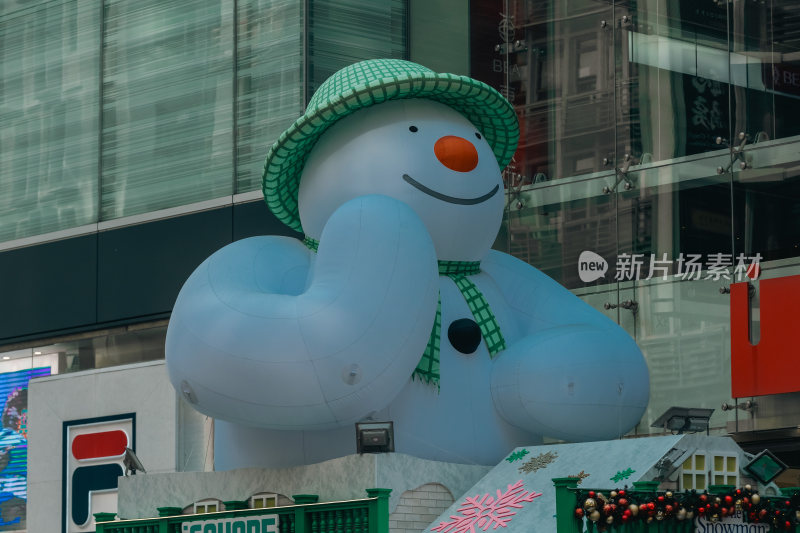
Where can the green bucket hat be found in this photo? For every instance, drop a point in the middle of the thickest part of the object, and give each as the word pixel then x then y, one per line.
pixel 368 83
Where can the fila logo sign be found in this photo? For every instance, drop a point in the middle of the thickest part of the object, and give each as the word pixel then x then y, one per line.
pixel 93 451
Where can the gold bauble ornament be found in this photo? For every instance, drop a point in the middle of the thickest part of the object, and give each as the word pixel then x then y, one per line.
pixel 668 494
pixel 689 515
pixel 634 509
pixel 660 515
pixel 590 503
pixel 717 500
pixel 594 516
pixel 748 487
pixel 681 514
pixel 755 498
pixel 613 494
pixel 610 520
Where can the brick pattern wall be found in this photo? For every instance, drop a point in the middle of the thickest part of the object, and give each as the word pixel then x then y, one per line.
pixel 419 507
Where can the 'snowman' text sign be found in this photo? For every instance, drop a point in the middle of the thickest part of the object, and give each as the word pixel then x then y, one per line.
pixel 731 524
pixel 260 524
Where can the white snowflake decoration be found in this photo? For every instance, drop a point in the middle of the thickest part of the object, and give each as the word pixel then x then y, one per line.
pixel 488 511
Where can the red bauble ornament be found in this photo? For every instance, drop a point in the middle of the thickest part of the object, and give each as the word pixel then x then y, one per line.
pixel 702 510
pixel 607 509
pixel 669 509
pixel 579 512
pixel 591 494
pixel 621 493
pixel 787 525
pixel 625 517
pixel 788 503
pixel 762 514
pixel 728 500
pixel 622 502
pixel 703 498
pixel 738 492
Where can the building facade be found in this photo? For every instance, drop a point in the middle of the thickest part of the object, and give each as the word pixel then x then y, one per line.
pixel 659 135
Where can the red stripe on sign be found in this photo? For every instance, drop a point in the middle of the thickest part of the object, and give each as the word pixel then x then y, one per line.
pixel 97 445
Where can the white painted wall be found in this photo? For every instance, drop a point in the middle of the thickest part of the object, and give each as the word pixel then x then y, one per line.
pixel 142 388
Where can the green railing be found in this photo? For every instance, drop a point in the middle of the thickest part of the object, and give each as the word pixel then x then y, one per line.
pixel 569 498
pixel 370 515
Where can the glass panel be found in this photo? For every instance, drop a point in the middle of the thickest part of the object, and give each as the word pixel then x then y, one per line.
pixel 269 60
pixel 732 480
pixel 672 218
pixel 342 32
pixel 699 462
pixel 730 463
pixel 700 481
pixel 549 226
pixel 719 464
pixel 784 19
pixel 167 104
pixel 764 194
pixel 687 464
pixel 719 480
pixel 687 482
pixel 554 61
pixel 49 81
pixel 672 78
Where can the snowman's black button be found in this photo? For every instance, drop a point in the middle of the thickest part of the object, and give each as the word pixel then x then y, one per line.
pixel 464 335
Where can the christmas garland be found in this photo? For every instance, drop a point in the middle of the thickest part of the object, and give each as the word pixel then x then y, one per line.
pixel 624 506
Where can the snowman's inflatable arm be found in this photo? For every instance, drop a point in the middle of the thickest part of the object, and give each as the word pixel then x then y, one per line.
pixel 574 374
pixel 266 334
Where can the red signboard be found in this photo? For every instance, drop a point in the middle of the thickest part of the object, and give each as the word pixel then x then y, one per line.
pixel 772 365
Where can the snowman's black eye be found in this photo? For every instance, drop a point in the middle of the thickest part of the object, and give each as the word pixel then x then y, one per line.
pixel 413 129
pixel 478 135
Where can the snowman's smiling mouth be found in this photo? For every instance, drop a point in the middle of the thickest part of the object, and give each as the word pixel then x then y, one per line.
pixel 450 199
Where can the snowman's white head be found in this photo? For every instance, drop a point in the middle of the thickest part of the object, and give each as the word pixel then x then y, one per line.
pixel 420 152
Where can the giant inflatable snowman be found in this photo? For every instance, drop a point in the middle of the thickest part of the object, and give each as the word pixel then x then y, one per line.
pixel 394 308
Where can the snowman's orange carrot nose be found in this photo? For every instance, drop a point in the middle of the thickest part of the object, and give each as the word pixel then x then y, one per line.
pixel 456 153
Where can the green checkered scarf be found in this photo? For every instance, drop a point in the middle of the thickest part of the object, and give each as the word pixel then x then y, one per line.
pixel 459 271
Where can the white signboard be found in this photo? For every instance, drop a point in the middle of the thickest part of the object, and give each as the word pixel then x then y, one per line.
pixel 242 524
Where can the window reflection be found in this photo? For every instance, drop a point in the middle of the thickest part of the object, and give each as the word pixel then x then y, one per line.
pixel 131 345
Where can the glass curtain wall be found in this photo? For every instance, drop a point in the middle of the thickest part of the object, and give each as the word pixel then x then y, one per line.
pixel 123 108
pixel 660 135
pixel 49 116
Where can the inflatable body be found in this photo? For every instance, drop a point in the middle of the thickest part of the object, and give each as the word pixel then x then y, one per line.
pixel 404 199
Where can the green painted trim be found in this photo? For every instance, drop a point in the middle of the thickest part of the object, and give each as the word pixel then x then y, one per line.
pixel 169 511
pixel 721 489
pixel 565 505
pixel 379 510
pixel 646 486
pixel 370 515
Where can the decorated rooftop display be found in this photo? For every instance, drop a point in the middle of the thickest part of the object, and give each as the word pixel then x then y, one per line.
pixel 394 306
pixel 556 490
